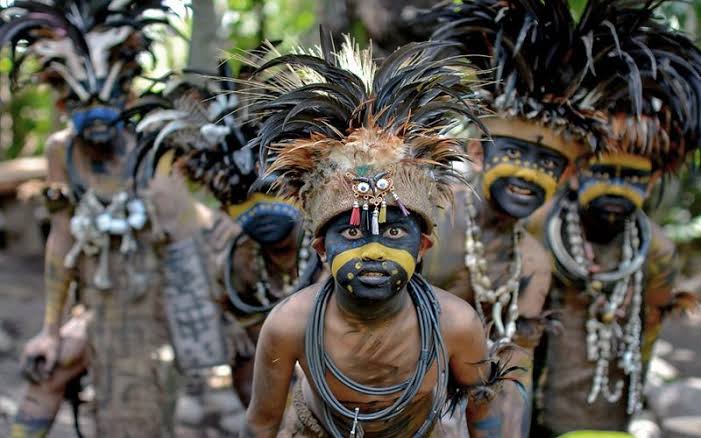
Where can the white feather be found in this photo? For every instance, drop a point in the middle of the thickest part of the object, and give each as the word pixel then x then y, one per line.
pixel 357 61
pixel 158 118
pixel 170 128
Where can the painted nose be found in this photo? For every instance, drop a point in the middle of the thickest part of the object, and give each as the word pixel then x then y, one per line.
pixel 373 251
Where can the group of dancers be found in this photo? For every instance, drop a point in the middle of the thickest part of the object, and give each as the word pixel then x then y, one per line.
pixel 446 241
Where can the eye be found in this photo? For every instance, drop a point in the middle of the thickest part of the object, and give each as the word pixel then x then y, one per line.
pixel 394 233
pixel 548 163
pixel 353 233
pixel 512 153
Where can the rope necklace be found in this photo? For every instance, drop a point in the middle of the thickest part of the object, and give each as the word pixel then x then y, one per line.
pixel 432 348
pixel 306 270
pixel 504 296
pixel 604 332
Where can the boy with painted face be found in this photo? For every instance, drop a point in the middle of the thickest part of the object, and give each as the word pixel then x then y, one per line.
pixel 377 344
pixel 533 146
pixel 262 252
pixel 614 268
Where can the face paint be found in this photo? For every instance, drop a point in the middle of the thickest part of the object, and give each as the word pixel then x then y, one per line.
pixel 373 267
pixel 520 176
pixel 614 186
pixel 264 218
pixel 97 124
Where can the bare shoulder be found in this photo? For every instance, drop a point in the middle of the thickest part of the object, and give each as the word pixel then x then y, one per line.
pixel 661 244
pixel 288 320
pixel 57 143
pixel 55 151
pixel 458 317
pixel 463 333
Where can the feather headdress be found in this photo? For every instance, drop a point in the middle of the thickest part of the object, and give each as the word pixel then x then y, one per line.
pixel 197 122
pixel 618 78
pixel 533 58
pixel 647 78
pixel 345 134
pixel 88 46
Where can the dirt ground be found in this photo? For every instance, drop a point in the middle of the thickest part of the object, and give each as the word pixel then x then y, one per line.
pixel 674 387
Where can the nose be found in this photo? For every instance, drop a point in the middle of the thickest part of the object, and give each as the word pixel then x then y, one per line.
pixel 373 252
pixel 530 155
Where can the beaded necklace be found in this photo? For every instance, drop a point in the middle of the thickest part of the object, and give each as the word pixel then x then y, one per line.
pixel 607 339
pixel 501 297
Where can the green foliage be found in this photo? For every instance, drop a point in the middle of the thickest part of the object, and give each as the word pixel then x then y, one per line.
pixel 31 112
pixel 249 23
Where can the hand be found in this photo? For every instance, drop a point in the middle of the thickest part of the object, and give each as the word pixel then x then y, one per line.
pixel 40 356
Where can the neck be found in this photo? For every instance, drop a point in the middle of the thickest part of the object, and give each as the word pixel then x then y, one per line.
pixel 489 217
pixel 355 309
pixel 283 254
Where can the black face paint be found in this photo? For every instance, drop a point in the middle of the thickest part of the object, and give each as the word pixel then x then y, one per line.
pixel 268 229
pixel 520 176
pixel 267 220
pixel 97 125
pixel 516 205
pixel 373 267
pixel 609 194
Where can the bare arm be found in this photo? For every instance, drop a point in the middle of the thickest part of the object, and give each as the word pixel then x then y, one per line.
pixel 660 280
pixel 467 345
pixel 41 352
pixel 513 403
pixel 278 349
pixel 57 277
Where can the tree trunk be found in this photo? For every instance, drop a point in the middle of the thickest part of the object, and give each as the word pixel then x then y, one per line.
pixel 388 23
pixel 205 43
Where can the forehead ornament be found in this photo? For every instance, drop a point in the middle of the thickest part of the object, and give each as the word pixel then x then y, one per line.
pixel 372 191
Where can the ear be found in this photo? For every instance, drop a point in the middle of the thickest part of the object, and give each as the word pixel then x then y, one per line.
pixel 654 178
pixel 475 151
pixel 573 167
pixel 569 172
pixel 425 245
pixel 573 182
pixel 318 245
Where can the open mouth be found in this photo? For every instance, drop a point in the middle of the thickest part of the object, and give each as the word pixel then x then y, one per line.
pixel 98 131
pixel 614 208
pixel 373 278
pixel 519 191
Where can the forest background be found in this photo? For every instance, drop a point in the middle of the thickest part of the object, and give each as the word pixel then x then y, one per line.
pixel 218 27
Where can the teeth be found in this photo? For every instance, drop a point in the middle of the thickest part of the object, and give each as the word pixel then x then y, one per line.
pixel 519 190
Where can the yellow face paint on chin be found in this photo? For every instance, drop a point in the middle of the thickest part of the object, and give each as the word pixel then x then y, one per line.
pixel 598 189
pixel 375 251
pixel 236 210
pixel 505 170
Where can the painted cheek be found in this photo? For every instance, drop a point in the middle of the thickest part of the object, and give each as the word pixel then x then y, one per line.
pixel 544 180
pixel 376 252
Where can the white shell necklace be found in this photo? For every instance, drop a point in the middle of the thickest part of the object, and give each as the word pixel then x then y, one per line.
pixel 503 296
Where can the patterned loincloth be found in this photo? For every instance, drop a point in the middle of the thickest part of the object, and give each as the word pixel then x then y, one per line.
pixel 299 421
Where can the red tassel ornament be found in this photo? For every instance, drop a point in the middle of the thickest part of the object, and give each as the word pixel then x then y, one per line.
pixel 355 214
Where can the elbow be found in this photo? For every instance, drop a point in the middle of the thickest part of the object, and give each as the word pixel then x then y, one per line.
pixel 258 426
